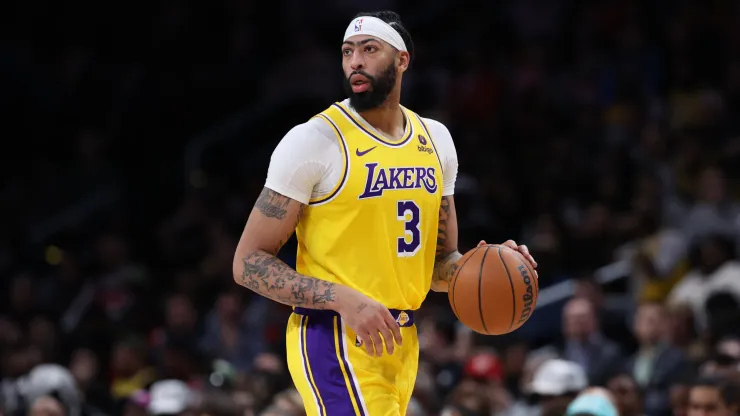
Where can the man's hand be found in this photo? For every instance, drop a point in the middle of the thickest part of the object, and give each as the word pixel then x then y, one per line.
pixel 523 250
pixel 371 321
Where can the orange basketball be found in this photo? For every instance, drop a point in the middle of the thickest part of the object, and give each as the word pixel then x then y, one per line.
pixel 494 290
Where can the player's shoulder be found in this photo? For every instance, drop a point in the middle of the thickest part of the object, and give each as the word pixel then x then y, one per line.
pixel 440 134
pixel 314 132
pixel 313 141
pixel 433 123
pixel 437 129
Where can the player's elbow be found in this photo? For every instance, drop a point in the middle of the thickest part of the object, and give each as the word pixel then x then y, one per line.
pixel 244 250
pixel 237 267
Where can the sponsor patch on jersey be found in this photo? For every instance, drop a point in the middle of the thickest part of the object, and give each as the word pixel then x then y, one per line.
pixel 423 145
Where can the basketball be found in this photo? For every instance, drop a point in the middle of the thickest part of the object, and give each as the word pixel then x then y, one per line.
pixel 494 290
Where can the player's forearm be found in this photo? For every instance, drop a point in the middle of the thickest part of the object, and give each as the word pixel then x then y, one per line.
pixel 268 276
pixel 444 268
pixel 446 256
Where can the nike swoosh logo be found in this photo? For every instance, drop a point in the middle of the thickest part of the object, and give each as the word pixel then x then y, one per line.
pixel 359 153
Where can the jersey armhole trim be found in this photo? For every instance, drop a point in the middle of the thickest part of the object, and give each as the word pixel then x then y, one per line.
pixel 345 165
pixel 431 139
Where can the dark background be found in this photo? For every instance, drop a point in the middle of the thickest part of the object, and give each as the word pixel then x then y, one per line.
pixel 137 135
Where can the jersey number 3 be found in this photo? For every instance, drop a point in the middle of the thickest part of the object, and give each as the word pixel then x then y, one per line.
pixel 410 243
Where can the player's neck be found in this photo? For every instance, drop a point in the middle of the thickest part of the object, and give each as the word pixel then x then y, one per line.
pixel 387 119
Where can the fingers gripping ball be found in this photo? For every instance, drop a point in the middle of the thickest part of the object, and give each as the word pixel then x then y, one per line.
pixel 494 291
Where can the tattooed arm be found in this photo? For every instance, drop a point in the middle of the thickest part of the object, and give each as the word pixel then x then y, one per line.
pixel 445 262
pixel 271 223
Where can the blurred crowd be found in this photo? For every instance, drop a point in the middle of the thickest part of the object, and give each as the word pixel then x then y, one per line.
pixel 597 132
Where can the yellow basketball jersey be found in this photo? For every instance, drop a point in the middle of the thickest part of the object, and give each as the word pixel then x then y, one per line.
pixel 377 230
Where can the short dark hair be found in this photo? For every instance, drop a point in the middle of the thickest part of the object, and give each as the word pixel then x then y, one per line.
pixel 631 378
pixel 394 20
pixel 707 382
pixel 729 390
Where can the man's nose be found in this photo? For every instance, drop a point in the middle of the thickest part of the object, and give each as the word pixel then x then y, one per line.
pixel 357 61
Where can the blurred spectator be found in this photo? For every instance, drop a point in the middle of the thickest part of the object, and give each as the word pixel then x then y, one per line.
pixel 612 322
pixel 656 363
pixel 467 402
pixel 679 397
pixel 712 397
pixel 21 303
pixel 180 323
pixel 724 362
pixel 660 258
pixel 172 398
pixel 554 385
pixel 52 381
pixel 524 404
pixel 47 406
pixel 447 347
pixel 627 395
pixel 714 271
pixel 682 333
pixel 137 404
pixel 594 401
pixel 714 212
pixel 485 370
pixel 130 371
pixel 231 330
pixel 85 368
pixel 584 343
pixel 514 360
pixel 182 360
pixel 42 333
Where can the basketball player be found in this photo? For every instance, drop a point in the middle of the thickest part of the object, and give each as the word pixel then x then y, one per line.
pixel 367 185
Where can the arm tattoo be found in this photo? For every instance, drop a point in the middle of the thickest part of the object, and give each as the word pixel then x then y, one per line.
pixel 282 242
pixel 270 277
pixel 444 215
pixel 272 205
pixel 445 262
pixel 445 268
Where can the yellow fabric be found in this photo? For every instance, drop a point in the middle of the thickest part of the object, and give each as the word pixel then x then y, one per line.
pixel 122 388
pixel 335 376
pixel 656 289
pixel 377 231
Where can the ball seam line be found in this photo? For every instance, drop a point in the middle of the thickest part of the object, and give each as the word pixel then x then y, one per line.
pixel 480 290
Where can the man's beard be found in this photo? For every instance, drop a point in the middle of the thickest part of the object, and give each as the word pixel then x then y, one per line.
pixel 378 92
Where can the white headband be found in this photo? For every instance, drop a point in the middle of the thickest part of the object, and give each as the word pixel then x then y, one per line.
pixel 372 26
